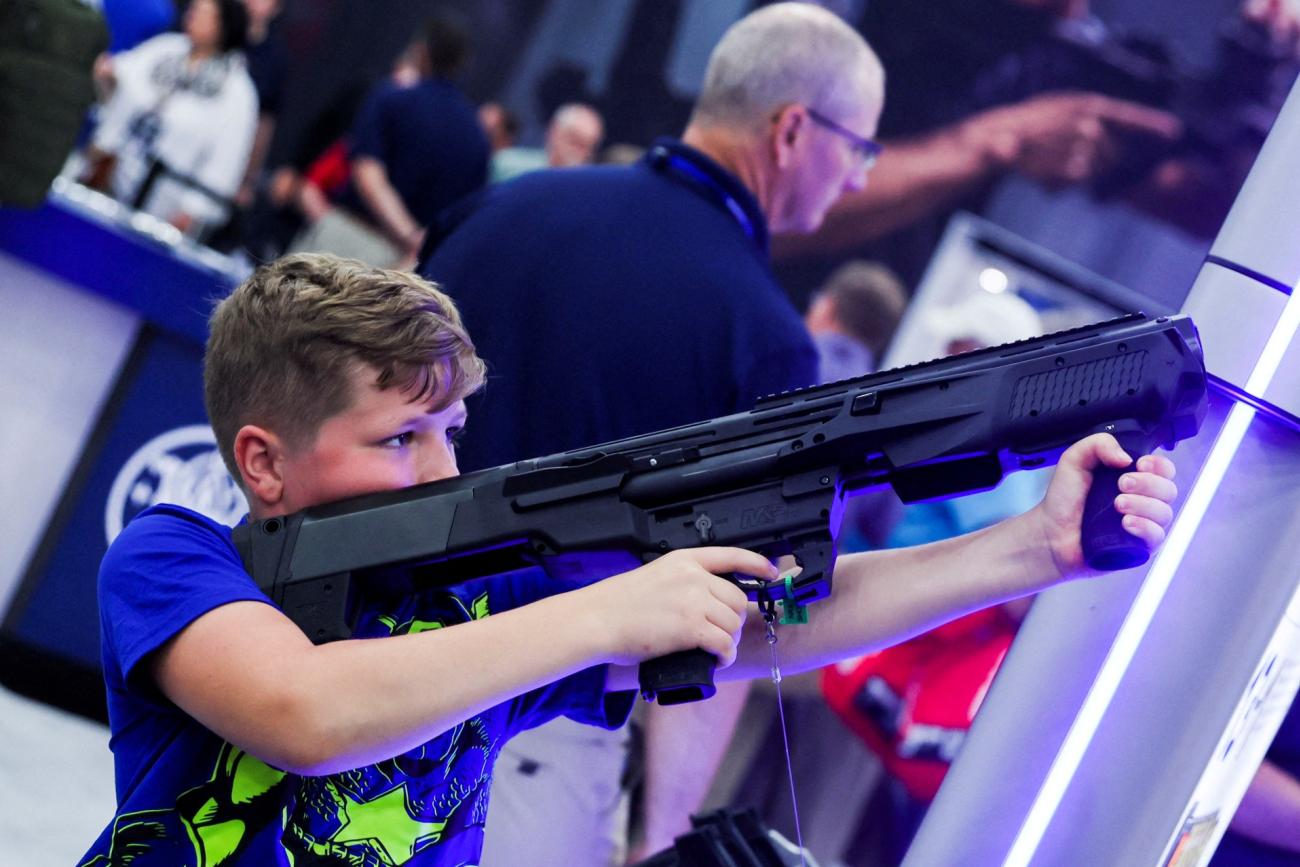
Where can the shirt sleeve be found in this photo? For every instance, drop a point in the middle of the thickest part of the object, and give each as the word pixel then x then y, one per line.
pixel 368 136
pixel 131 70
pixel 164 571
pixel 581 696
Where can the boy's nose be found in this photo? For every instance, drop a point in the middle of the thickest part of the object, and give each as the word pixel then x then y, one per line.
pixel 438 463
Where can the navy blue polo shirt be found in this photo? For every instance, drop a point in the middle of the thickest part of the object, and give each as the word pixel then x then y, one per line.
pixel 429 139
pixel 610 301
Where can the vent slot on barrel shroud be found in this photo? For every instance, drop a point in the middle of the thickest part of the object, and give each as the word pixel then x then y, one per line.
pixel 1077 385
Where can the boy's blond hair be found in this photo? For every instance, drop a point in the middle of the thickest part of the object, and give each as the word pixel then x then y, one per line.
pixel 283 345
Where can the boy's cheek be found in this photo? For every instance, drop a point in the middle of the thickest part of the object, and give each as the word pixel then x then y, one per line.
pixel 369 477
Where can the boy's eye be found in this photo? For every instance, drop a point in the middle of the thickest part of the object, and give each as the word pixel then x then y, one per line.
pixel 454 435
pixel 401 440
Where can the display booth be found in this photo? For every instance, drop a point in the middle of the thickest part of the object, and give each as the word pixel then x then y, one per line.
pixel 101 355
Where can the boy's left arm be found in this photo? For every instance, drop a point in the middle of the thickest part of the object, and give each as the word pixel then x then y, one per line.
pixel 883 597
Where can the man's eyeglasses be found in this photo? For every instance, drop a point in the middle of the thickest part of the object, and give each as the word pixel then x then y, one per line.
pixel 868 150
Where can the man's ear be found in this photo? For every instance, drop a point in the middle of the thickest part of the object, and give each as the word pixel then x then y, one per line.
pixel 789 126
pixel 257 454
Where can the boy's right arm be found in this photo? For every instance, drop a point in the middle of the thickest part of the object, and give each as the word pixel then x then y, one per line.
pixel 247 673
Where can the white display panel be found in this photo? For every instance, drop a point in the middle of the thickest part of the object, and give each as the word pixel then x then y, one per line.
pixel 60 351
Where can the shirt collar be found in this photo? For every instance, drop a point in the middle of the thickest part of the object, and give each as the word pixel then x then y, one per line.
pixel 703 174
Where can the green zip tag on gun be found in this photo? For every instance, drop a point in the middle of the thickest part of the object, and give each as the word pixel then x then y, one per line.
pixel 792 612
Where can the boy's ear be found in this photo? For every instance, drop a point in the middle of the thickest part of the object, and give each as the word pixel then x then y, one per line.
pixel 257 452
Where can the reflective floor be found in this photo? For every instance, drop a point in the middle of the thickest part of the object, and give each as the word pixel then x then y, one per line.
pixel 56 783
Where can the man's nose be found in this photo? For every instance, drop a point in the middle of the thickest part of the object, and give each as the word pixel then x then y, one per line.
pixel 857 179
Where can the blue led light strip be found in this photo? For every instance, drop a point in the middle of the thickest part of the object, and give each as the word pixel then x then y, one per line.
pixel 1251 273
pixel 1262 406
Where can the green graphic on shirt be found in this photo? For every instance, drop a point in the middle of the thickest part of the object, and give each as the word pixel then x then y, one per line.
pixel 383 814
pixel 477 610
pixel 380 815
pixel 384 826
pixel 229 804
pixel 388 813
pixel 134 835
pixel 209 822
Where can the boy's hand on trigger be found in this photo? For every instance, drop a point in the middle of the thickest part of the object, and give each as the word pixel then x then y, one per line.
pixel 1144 500
pixel 677 602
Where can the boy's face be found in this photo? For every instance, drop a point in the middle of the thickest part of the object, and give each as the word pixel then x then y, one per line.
pixel 381 442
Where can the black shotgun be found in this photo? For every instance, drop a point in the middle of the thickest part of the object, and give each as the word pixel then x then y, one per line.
pixel 773 479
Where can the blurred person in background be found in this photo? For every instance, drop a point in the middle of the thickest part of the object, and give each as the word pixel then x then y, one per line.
pixel 573 137
pixel 853 316
pixel 500 124
pixel 416 146
pixel 267 57
pixel 981 320
pixel 178 119
pixel 415 149
pixel 268 67
pixel 311 209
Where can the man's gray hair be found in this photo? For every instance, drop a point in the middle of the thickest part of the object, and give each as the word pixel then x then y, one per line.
pixel 576 114
pixel 782 54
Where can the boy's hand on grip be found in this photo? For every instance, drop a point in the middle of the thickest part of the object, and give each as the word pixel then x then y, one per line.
pixel 1144 500
pixel 677 602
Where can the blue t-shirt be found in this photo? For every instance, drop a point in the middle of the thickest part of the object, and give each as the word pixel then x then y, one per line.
pixel 186 797
pixel 610 301
pixel 429 139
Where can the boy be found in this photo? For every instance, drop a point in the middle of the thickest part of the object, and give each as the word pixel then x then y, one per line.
pixel 237 741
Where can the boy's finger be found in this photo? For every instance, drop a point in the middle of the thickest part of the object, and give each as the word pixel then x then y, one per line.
pixel 1150 508
pixel 1149 485
pixel 719 560
pixel 1146 530
pixel 1095 450
pixel 1111 453
pixel 725 618
pixel 730 595
pixel 719 643
pixel 1158 464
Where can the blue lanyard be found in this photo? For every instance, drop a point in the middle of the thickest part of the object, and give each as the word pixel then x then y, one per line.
pixel 664 158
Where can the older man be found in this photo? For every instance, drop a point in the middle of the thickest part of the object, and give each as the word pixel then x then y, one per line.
pixel 611 301
pixel 572 137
